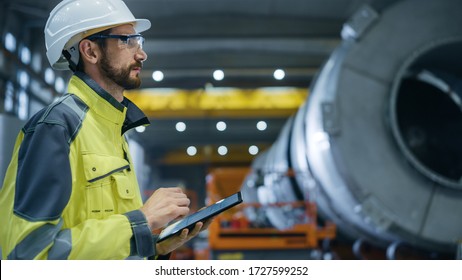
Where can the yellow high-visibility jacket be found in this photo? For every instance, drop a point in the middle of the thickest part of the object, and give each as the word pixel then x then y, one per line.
pixel 70 191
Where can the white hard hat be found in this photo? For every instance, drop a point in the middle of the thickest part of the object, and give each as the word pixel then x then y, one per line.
pixel 72 20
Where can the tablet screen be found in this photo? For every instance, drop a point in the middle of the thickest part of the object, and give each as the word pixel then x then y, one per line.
pixel 201 215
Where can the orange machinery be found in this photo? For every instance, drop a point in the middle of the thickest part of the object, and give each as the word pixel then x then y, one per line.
pixel 238 236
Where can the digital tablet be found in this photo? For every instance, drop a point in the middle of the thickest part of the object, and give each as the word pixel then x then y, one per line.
pixel 200 216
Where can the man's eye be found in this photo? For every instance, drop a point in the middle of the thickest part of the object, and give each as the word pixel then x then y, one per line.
pixel 133 41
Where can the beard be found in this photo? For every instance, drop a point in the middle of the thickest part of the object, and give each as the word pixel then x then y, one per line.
pixel 121 76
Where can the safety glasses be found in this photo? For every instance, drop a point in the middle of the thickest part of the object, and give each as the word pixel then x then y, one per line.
pixel 133 41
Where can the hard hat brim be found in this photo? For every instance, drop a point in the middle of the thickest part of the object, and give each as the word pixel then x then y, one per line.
pixel 142 25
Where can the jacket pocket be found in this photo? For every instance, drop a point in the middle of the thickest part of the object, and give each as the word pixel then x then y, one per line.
pixel 98 167
pixel 106 184
pixel 123 187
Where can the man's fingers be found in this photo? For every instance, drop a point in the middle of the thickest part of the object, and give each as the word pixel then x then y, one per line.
pixel 207 223
pixel 175 190
pixel 181 212
pixel 196 229
pixel 183 201
pixel 184 234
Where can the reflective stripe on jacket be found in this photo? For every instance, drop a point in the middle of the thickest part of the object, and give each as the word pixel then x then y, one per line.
pixel 70 191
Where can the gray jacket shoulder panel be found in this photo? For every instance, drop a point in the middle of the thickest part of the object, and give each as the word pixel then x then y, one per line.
pixel 43 179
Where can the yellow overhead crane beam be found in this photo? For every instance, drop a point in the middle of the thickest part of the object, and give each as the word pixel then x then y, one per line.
pixel 219 102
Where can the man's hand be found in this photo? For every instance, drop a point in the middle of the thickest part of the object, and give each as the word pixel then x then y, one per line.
pixel 172 243
pixel 165 205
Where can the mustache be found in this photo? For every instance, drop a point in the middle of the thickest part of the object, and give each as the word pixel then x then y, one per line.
pixel 138 64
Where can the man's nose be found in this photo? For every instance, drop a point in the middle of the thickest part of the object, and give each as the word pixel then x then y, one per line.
pixel 141 55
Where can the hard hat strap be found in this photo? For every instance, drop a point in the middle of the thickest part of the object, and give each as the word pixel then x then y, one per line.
pixel 72 64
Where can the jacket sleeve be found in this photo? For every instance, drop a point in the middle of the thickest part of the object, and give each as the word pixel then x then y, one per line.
pixel 43 187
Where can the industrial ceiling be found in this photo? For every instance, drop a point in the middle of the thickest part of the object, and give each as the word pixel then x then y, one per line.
pixel 246 39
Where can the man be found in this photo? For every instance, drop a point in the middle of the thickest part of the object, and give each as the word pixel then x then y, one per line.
pixel 70 191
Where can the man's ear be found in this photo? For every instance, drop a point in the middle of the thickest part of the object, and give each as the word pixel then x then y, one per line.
pixel 89 51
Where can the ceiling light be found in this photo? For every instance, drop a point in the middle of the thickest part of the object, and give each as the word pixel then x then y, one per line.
pixel 140 128
pixel 9 96
pixel 23 78
pixel 253 150
pixel 279 74
pixel 261 125
pixel 25 55
pixel 23 105
pixel 218 75
pixel 222 150
pixel 60 86
pixel 10 42
pixel 157 76
pixel 221 126
pixel 191 150
pixel 49 76
pixel 180 126
pixel 37 62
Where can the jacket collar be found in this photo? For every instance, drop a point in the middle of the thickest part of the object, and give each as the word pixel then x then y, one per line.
pixel 125 113
pixel 134 117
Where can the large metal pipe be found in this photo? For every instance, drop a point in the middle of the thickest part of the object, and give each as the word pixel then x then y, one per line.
pixel 270 185
pixel 381 131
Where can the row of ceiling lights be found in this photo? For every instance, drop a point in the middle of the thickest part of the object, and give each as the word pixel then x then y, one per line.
pixel 158 76
pixel 218 75
pixel 221 126
pixel 35 61
pixel 222 150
